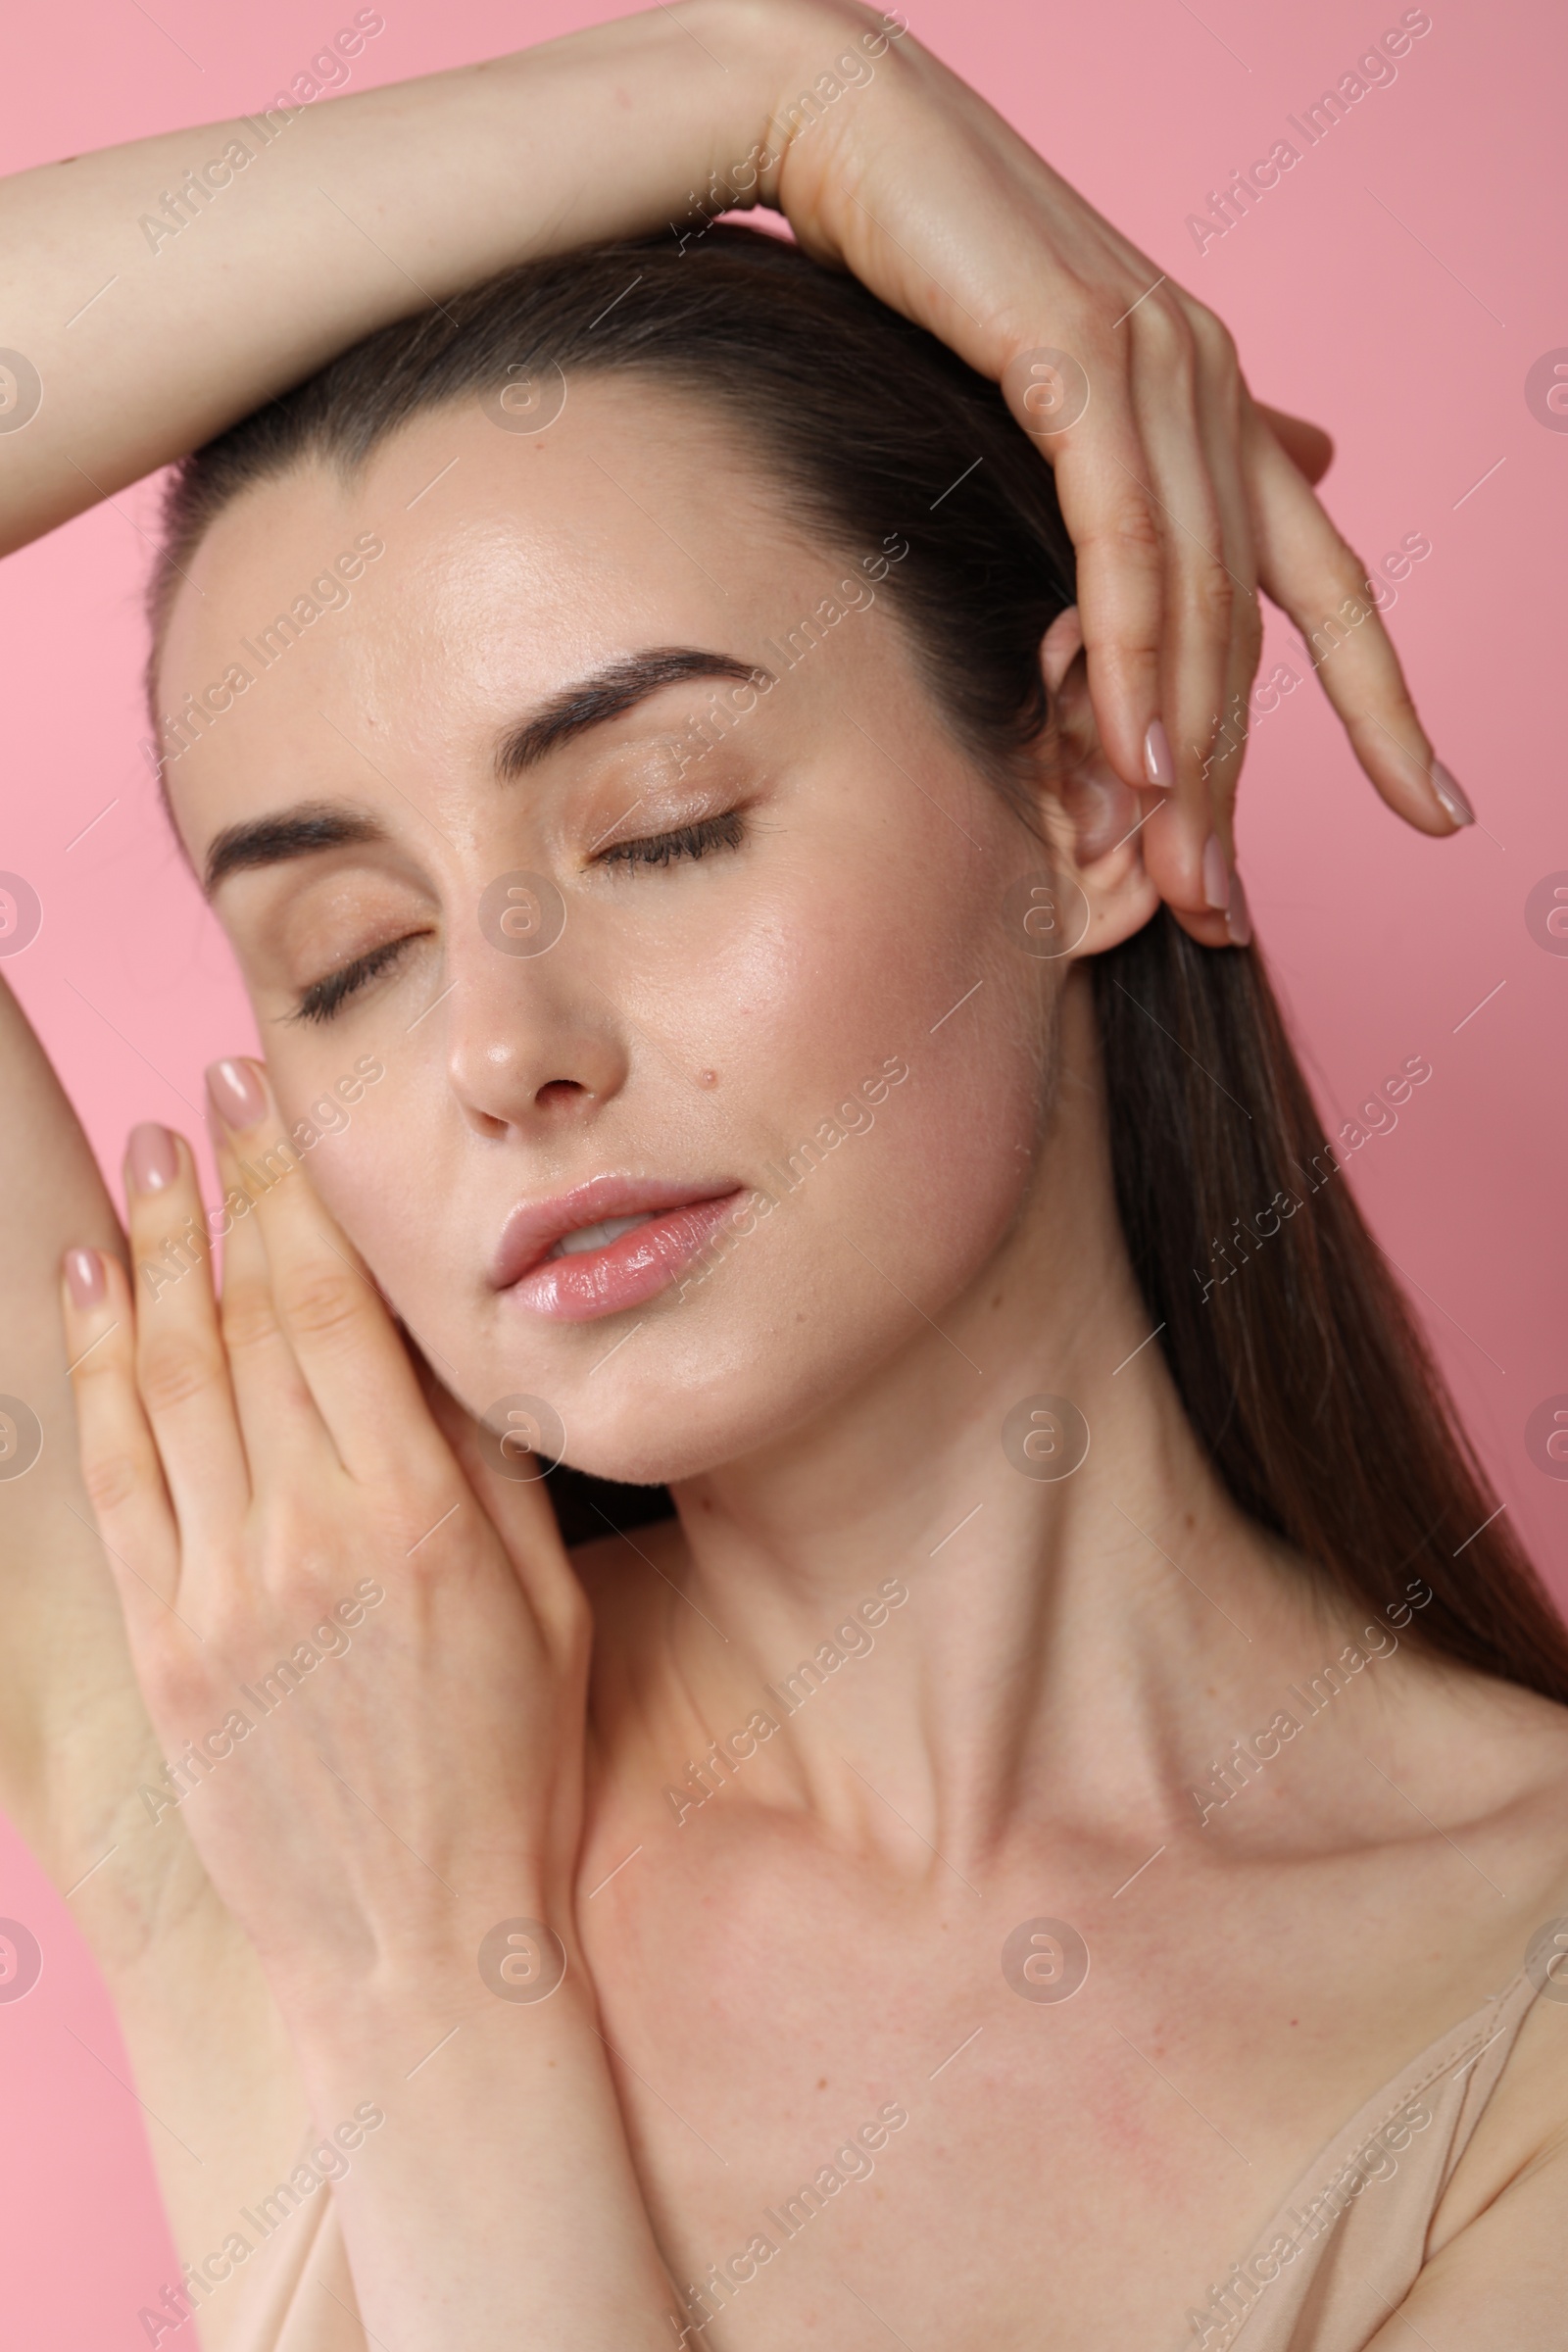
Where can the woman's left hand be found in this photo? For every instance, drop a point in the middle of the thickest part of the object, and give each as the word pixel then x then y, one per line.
pixel 365 1658
pixel 1182 494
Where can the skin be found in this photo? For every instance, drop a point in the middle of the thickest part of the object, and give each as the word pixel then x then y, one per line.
pixel 821 1936
pixel 620 1060
pixel 1184 496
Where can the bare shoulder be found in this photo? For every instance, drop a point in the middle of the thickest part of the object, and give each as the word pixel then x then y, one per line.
pixel 1502 1754
pixel 1494 2268
pixel 1505 1775
pixel 1487 1762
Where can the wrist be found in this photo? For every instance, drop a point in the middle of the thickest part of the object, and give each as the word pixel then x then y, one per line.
pixel 773 50
pixel 516 1947
pixel 520 1998
pixel 806 58
pixel 482 2134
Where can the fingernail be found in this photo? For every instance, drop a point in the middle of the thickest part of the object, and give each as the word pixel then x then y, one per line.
pixel 1158 766
pixel 235 1093
pixel 1239 916
pixel 1216 875
pixel 84 1277
pixel 1448 792
pixel 154 1161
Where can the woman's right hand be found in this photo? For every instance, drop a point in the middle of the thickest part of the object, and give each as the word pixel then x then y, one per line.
pixel 392 1816
pixel 365 1659
pixel 1182 494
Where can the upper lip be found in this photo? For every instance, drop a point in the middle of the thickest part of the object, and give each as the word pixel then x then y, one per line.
pixel 534 1227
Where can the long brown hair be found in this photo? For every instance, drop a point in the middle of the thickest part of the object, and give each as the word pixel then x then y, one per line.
pixel 1295 1355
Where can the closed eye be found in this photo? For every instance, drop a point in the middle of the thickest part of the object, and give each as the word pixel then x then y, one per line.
pixel 321 999
pixel 726 832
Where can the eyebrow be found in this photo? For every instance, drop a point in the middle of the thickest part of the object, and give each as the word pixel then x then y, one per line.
pixel 607 693
pixel 301 832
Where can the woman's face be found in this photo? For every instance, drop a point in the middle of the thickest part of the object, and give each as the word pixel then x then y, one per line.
pixel 735 959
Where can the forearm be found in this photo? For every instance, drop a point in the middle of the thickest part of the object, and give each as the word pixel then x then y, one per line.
pixel 148 339
pixel 53 1192
pixel 61 1636
pixel 496 2204
pixel 80 1771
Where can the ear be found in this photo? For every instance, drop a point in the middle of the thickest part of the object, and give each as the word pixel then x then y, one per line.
pixel 1095 821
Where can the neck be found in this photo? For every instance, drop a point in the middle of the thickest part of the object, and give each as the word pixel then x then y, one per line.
pixel 956 1615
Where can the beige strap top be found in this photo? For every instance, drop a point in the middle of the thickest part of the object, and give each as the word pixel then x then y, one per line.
pixel 1341 2253
pixel 1348 2242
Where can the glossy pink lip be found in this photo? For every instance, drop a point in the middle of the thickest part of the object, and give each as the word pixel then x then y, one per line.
pixel 682 1217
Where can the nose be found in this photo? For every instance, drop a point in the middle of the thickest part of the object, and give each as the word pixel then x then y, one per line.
pixel 532 1043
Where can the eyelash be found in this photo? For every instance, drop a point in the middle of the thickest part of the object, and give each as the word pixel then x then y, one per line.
pixel 726 832
pixel 322 1002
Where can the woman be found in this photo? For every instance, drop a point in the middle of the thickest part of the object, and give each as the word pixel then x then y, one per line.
pixel 594 1927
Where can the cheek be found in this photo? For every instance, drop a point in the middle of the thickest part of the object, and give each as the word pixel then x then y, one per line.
pixel 877 1230
pixel 799 993
pixel 377 1175
pixel 911 967
pixel 930 1192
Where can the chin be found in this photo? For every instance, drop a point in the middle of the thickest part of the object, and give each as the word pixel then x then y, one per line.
pixel 664 1421
pixel 687 1391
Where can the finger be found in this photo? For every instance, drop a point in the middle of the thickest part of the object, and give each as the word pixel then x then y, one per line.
pixel 284 1437
pixel 120 1465
pixel 1307 446
pixel 343 1339
pixel 1218 427
pixel 513 1494
pixel 181 1369
pixel 1308 571
pixel 1180 391
pixel 1101 489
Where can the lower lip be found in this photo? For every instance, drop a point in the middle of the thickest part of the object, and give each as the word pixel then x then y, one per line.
pixel 590 1283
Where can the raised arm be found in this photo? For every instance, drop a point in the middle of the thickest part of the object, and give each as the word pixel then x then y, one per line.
pixel 139 339
pixel 304 231
pixel 61 1639
pixel 77 1753
pixel 395 1824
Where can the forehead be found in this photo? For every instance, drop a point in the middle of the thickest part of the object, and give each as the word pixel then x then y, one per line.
pixel 588 505
pixel 467 572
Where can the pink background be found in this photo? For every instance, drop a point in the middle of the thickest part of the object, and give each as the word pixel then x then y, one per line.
pixel 1397 288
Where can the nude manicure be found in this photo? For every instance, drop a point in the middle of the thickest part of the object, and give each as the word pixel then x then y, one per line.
pixel 1448 792
pixel 1239 916
pixel 152 1161
pixel 235 1093
pixel 84 1277
pixel 1216 875
pixel 1158 766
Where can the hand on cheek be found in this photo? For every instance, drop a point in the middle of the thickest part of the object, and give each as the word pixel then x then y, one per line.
pixel 264 1472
